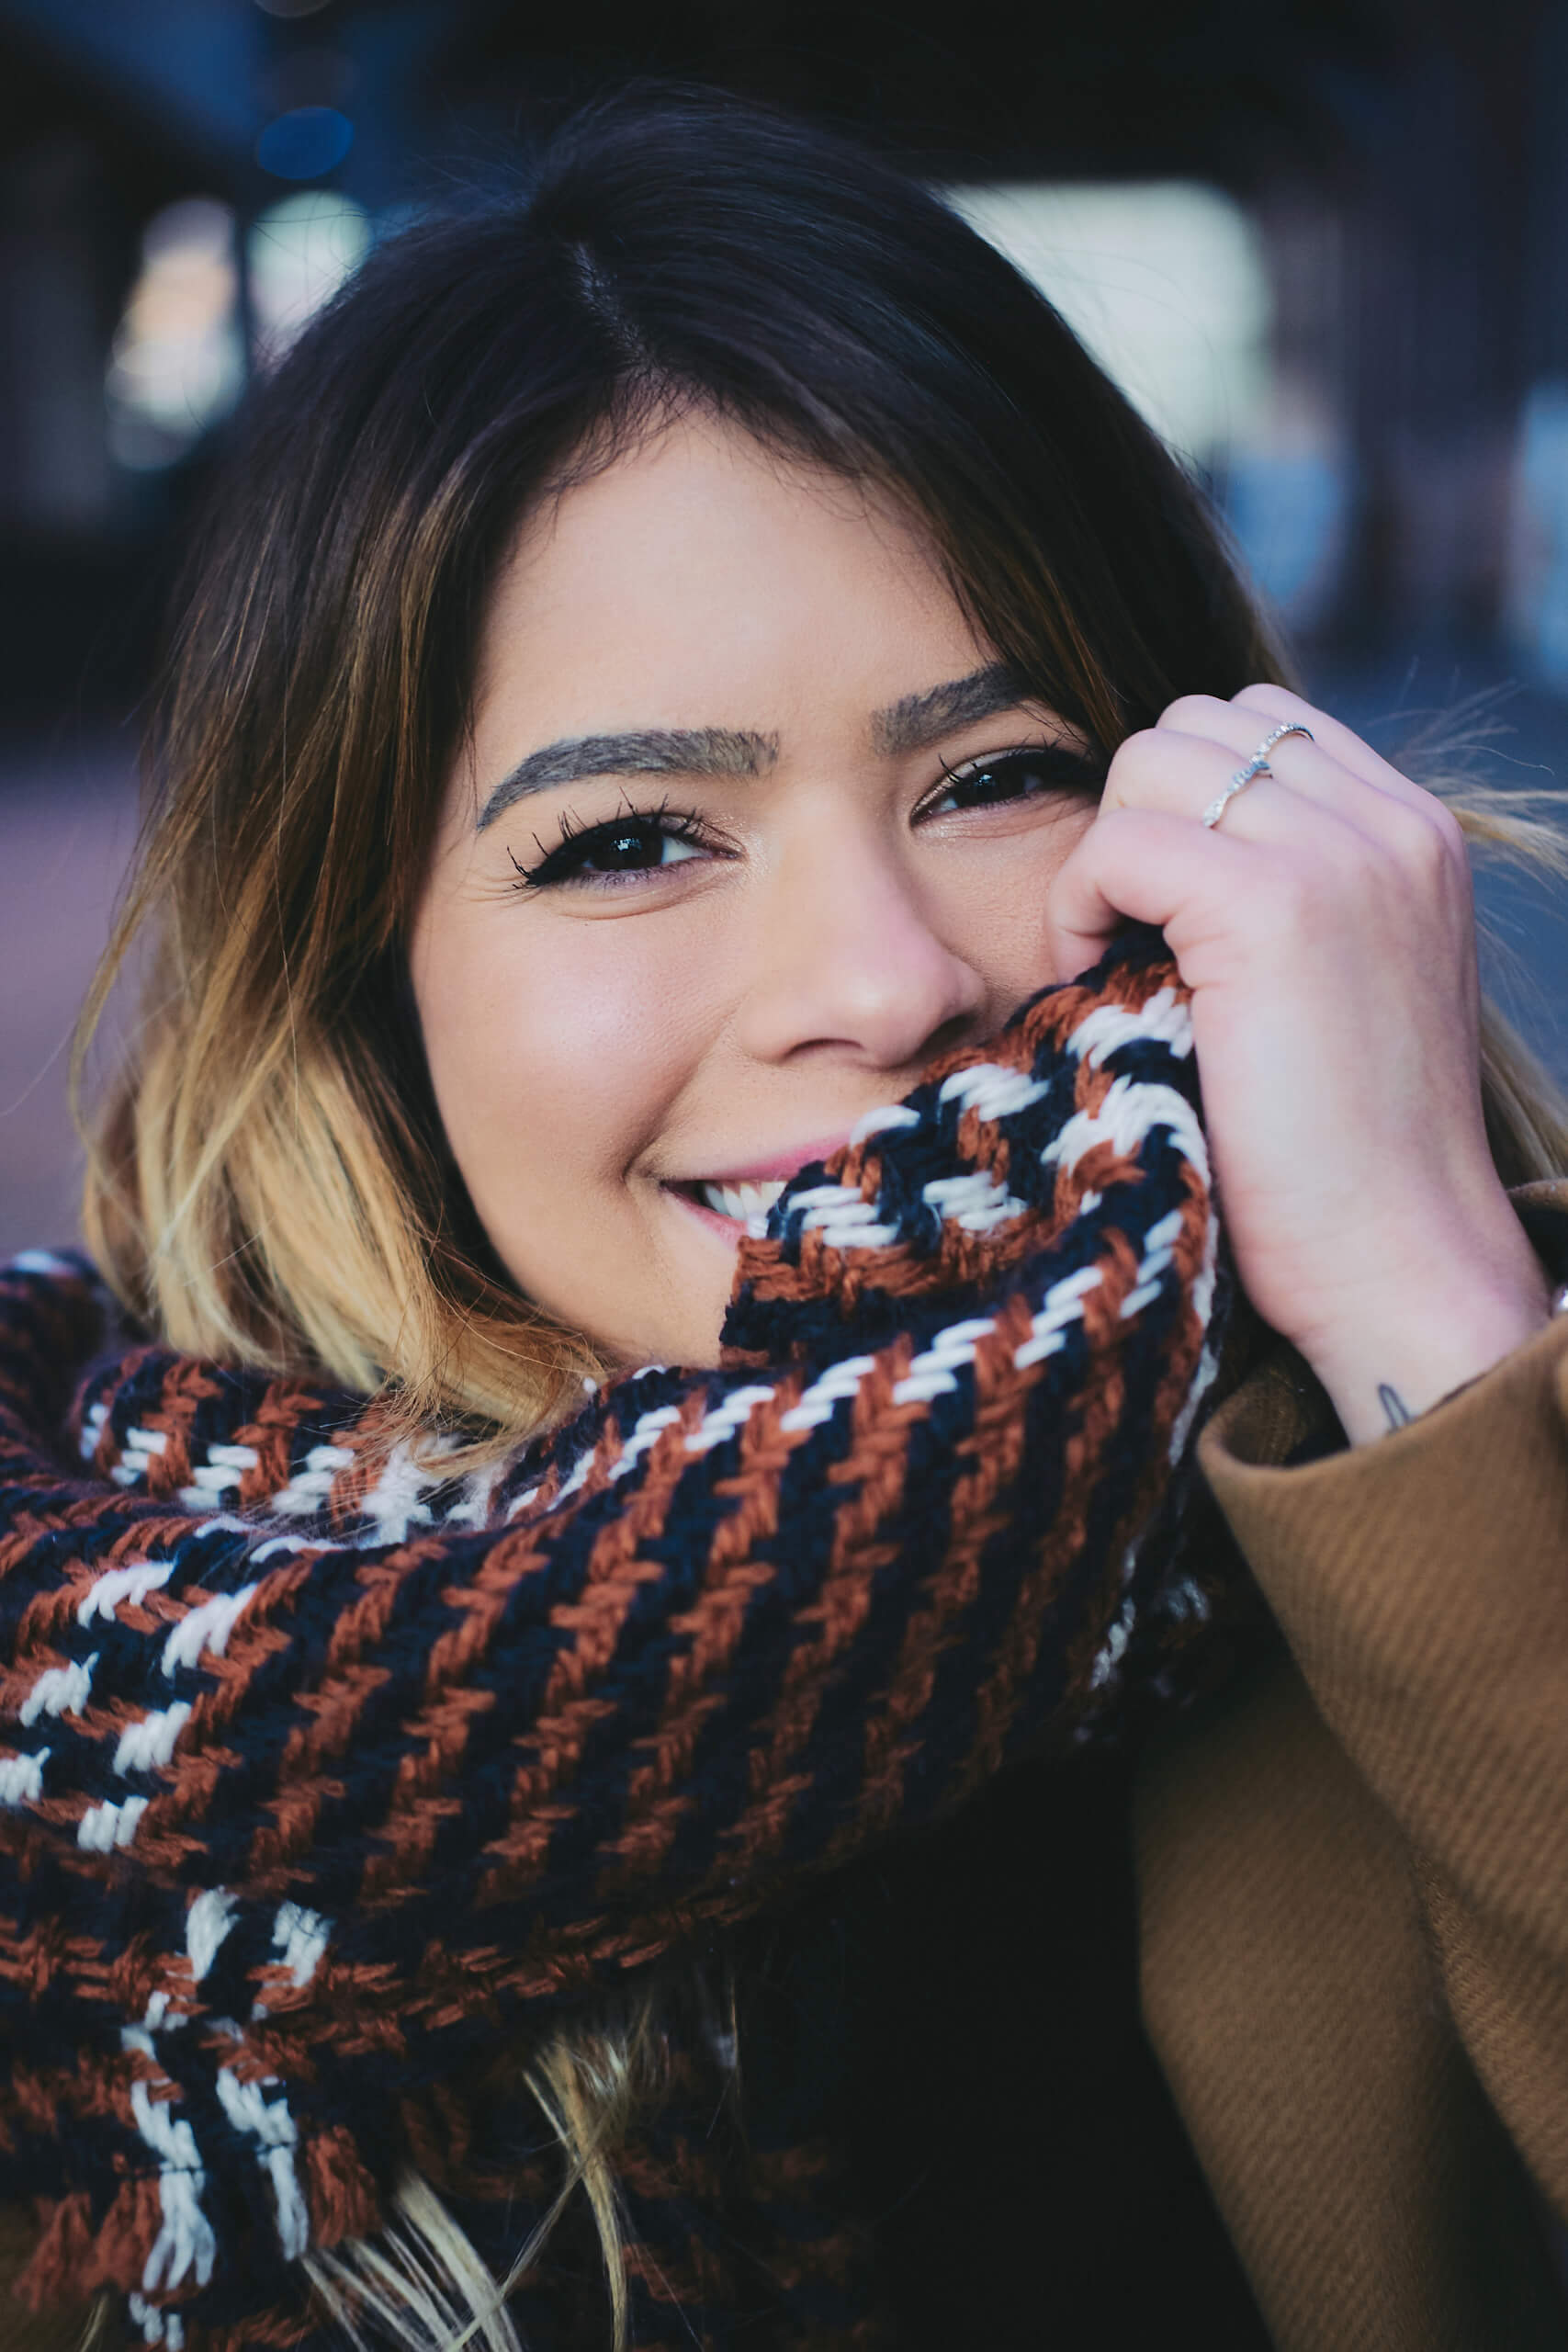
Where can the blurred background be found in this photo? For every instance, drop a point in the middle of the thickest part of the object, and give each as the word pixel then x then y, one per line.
pixel 1324 243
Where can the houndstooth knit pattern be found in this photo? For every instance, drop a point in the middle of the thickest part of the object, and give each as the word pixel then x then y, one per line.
pixel 324 1772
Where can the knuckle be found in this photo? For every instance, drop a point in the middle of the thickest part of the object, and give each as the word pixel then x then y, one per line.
pixel 1431 838
pixel 1136 746
pixel 1190 711
pixel 1445 827
pixel 1133 761
pixel 1276 706
pixel 1275 702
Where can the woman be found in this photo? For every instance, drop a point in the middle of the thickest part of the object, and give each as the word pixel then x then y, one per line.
pixel 679 659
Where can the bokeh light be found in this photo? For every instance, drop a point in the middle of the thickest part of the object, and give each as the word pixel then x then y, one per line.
pixel 305 142
pixel 177 361
pixel 1166 282
pixel 298 254
pixel 1537 613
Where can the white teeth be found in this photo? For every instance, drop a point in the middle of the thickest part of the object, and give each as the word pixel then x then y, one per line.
pixel 744 1203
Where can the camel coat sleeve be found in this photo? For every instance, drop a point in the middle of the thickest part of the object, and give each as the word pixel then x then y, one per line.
pixel 1354 1873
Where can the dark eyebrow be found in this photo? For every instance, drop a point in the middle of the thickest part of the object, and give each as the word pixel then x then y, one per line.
pixel 680 751
pixel 911 724
pixel 916 721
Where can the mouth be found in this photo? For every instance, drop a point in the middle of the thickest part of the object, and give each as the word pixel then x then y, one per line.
pixel 735 1209
pixel 737 1204
pixel 747 1203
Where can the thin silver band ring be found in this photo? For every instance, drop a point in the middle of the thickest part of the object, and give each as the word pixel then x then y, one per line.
pixel 1256 765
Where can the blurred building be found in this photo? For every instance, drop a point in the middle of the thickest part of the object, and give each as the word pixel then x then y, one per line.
pixel 1348 215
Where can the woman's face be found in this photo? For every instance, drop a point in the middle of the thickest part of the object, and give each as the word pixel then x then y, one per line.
pixel 752 824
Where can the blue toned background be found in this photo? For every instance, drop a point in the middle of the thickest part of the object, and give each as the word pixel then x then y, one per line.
pixel 1324 243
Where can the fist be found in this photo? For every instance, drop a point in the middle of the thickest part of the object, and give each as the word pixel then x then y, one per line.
pixel 1324 926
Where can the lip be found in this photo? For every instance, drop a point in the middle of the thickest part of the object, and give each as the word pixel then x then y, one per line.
pixel 728 1229
pixel 777 1167
pixel 780 1167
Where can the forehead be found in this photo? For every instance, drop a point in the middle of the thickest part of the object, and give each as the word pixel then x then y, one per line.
pixel 700 564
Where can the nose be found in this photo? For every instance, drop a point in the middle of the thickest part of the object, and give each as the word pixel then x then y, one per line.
pixel 846 957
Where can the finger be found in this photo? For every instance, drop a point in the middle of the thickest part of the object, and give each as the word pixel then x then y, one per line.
pixel 1181 773
pixel 1134 866
pixel 1244 727
pixel 1272 704
pixel 1251 716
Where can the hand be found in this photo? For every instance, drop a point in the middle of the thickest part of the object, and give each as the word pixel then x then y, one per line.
pixel 1327 931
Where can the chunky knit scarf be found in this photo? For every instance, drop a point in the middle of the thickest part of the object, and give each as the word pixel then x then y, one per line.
pixel 326 1773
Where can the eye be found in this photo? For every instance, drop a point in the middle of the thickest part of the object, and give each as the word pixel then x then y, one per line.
pixel 1003 778
pixel 637 842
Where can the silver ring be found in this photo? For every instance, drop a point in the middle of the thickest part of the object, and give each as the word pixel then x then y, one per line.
pixel 1256 765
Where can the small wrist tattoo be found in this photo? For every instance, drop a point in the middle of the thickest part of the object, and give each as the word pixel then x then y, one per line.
pixel 1398 1412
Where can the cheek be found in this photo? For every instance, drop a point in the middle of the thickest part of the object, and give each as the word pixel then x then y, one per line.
pixel 554 1051
pixel 994 901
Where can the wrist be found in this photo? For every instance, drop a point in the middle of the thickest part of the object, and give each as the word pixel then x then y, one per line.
pixel 1406 1353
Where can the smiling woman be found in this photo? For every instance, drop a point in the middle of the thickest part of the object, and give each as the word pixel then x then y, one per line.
pixel 723 975
pixel 581 464
pixel 594 1606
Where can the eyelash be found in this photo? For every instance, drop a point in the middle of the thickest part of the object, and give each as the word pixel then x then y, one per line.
pixel 1066 770
pixel 567 862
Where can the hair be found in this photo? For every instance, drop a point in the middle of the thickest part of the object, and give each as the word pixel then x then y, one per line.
pixel 267 1180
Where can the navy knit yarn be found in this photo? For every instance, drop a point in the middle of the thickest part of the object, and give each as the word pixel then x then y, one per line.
pixel 306 1801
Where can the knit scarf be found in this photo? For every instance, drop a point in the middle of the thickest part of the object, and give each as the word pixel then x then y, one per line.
pixel 326 1770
